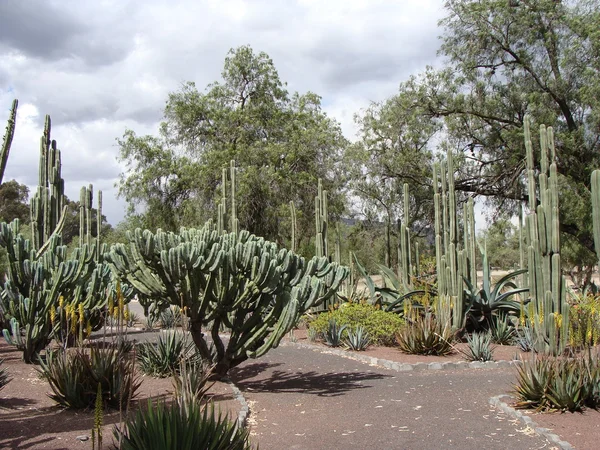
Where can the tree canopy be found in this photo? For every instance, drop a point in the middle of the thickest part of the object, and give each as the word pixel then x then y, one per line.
pixel 282 144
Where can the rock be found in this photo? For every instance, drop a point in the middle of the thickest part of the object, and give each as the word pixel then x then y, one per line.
pixel 83 437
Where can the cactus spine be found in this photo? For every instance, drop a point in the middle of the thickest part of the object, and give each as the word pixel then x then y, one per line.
pixel 549 310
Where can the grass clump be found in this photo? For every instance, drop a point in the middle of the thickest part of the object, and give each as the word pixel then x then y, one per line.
pixel 381 326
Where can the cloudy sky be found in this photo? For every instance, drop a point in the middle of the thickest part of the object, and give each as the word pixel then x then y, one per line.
pixel 99 67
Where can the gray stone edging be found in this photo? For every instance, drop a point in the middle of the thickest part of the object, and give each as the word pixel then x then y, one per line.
pixel 497 403
pixel 406 367
pixel 239 396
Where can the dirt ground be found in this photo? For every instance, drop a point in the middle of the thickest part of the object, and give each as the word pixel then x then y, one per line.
pixel 29 419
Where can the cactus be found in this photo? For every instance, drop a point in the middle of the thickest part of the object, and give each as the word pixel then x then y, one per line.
pixel 40 273
pixel 321 221
pixel 235 280
pixel 294 226
pixel 7 139
pixel 595 187
pixel 222 207
pixel 549 310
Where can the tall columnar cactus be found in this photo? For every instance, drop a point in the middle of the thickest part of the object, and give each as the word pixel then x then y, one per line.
pixel 549 310
pixel 222 209
pixel 236 280
pixel 7 139
pixel 321 221
pixel 595 184
pixel 454 264
pixel 404 248
pixel 40 273
pixel 294 226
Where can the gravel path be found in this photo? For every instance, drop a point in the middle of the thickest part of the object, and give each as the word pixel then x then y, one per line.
pixel 303 399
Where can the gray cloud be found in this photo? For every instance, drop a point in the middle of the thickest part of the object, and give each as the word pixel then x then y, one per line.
pixel 100 67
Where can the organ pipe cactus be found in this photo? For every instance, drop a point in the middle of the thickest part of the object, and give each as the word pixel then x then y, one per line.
pixel 40 272
pixel 7 139
pixel 237 281
pixel 595 184
pixel 549 310
pixel 321 221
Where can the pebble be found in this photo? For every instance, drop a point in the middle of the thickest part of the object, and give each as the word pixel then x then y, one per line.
pixel 83 437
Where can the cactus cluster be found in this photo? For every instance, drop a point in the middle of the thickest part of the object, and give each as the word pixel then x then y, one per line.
pixel 41 272
pixel 455 260
pixel 548 312
pixel 235 281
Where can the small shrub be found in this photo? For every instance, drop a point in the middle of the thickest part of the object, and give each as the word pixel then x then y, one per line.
pixel 584 321
pixel 358 340
pixel 381 326
pixel 333 335
pixel 425 336
pixel 4 377
pixel 479 347
pixel 74 375
pixel 180 427
pixel 162 359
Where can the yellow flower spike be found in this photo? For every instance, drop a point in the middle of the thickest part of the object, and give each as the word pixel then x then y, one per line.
pixel 116 312
pixel 88 328
pixel 73 320
pixel 61 301
pixel 52 315
pixel 126 314
pixel 111 303
pixel 558 320
pixel 81 314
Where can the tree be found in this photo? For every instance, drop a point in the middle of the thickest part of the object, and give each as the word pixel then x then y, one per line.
pixel 501 239
pixel 14 202
pixel 282 145
pixel 394 148
pixel 507 59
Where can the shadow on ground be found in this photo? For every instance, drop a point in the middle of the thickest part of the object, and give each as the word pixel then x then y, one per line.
pixel 259 377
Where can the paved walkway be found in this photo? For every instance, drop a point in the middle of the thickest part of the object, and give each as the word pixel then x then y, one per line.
pixel 303 399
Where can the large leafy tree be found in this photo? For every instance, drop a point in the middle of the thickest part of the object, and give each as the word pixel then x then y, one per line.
pixel 507 59
pixel 281 142
pixel 14 203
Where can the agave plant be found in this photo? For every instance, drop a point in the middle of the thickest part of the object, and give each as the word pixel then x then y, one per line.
pixel 180 427
pixel 4 378
pixel 502 331
pixel 533 378
pixel 481 305
pixel 74 375
pixel 524 339
pixel 333 335
pixel 479 347
pixel 358 340
pixel 162 359
pixel 426 336
pixel 393 293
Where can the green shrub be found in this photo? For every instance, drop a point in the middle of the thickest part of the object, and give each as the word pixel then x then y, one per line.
pixel 162 359
pixel 380 325
pixel 584 321
pixel 425 336
pixel 180 427
pixel 74 375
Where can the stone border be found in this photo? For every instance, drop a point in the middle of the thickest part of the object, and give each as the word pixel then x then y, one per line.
pixel 239 396
pixel 405 367
pixel 524 419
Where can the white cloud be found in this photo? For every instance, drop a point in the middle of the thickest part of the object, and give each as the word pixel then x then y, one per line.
pixel 111 64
